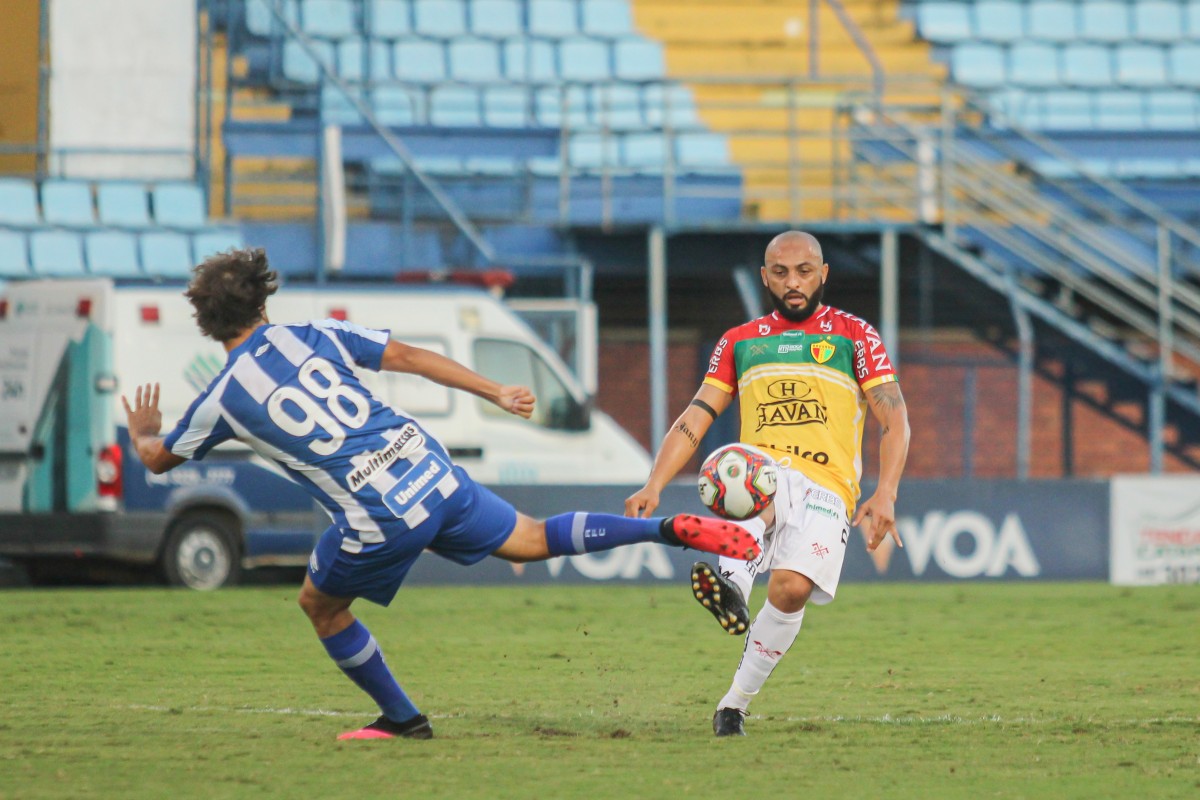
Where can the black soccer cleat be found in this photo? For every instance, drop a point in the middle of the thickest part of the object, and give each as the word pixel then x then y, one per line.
pixel 728 722
pixel 417 727
pixel 721 597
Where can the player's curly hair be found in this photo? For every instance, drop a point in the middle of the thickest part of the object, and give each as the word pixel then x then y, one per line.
pixel 229 292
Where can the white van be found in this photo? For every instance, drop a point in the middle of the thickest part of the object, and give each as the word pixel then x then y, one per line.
pixel 71 487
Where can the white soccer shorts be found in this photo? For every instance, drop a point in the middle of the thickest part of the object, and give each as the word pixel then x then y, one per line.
pixel 811 529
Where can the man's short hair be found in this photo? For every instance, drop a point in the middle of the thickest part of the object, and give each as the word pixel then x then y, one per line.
pixel 229 292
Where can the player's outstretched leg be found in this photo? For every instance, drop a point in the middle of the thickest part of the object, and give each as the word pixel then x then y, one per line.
pixel 584 532
pixel 721 597
pixel 712 535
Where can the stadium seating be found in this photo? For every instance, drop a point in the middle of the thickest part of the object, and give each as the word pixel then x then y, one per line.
pixel 117 229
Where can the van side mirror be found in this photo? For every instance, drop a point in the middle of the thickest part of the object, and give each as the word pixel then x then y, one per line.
pixel 566 414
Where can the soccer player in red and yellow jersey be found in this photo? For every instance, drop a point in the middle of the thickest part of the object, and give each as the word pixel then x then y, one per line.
pixel 804 377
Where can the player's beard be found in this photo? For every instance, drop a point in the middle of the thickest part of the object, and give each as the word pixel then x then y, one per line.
pixel 798 314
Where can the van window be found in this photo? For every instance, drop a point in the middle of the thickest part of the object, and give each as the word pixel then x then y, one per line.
pixel 516 363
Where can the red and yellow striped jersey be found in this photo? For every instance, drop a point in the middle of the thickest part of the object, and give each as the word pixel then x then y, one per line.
pixel 801 390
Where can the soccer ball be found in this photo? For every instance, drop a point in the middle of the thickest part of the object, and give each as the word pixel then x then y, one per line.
pixel 738 481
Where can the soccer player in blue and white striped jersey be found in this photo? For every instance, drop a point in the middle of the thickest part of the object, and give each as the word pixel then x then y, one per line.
pixel 290 392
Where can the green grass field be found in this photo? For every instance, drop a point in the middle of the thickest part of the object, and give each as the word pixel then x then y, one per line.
pixel 924 691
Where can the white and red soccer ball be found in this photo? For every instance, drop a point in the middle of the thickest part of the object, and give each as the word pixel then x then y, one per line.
pixel 737 481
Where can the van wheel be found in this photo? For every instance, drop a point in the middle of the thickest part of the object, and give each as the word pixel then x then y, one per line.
pixel 202 552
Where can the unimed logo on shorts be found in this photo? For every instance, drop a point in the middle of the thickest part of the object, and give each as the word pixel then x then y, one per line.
pixel 963 544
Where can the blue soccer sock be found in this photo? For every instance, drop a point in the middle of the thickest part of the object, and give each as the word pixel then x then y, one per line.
pixel 354 650
pixel 581 532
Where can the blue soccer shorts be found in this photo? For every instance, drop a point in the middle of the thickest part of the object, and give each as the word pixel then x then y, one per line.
pixel 466 527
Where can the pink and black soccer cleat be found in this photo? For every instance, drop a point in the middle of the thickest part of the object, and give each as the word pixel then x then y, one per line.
pixel 417 727
pixel 712 535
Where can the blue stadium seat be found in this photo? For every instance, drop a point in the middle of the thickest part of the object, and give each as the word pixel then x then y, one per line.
pixel 638 59
pixel 1141 65
pixel 123 205
pixel 57 253
pixel 388 19
pixel 591 151
pixel 1087 65
pixel 352 63
pixel 398 105
pixel 300 67
pixel 1052 20
pixel 165 254
pixel 978 65
pixel 454 106
pixel 1119 111
pixel 216 240
pixel 506 107
pixel 529 60
pixel 1185 65
pixel 617 106
pixel 14 254
pixel 329 19
pixel 497 19
pixel 68 203
pixel 1033 64
pixel 1171 110
pixel 492 166
pixel 261 22
pixel 669 104
pixel 1066 110
pixel 645 151
pixel 606 18
pixel 475 60
pixel 1013 107
pixel 999 21
pixel 1157 20
pixel 18 202
pixel 442 18
pixel 336 108
pixel 944 21
pixel 582 59
pixel 1104 20
pixel 549 109
pixel 1192 28
pixel 552 18
pixel 112 253
pixel 700 150
pixel 179 205
pixel 419 60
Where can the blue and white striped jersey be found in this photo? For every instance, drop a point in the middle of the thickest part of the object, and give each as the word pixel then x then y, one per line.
pixel 290 393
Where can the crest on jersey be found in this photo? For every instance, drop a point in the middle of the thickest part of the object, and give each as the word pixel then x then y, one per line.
pixel 821 351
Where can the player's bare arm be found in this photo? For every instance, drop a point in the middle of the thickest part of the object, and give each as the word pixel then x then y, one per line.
pixel 678 447
pixel 145 421
pixel 878 513
pixel 400 357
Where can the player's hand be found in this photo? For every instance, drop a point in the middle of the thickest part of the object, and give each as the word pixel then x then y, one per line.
pixel 144 417
pixel 516 400
pixel 878 518
pixel 641 503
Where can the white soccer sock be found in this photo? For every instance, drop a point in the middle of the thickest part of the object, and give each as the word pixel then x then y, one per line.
pixel 769 637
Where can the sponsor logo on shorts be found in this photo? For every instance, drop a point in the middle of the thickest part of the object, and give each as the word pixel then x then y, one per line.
pixel 822 496
pixel 824 511
pixel 819 550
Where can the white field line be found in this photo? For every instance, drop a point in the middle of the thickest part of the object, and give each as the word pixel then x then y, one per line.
pixel 305 712
pixel 886 719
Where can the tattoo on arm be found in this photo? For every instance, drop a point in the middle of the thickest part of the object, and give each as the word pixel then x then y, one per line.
pixel 887 397
pixel 703 406
pixel 686 431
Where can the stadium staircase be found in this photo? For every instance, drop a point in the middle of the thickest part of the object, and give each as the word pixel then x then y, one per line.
pixel 779 130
